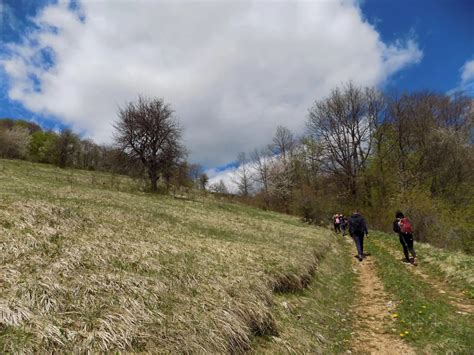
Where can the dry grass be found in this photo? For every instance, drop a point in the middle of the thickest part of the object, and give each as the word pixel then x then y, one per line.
pixel 88 261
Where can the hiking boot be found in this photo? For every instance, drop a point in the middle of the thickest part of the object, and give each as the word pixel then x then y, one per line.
pixel 414 261
pixel 360 257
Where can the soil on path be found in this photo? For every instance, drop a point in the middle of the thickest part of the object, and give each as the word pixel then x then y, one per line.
pixel 372 316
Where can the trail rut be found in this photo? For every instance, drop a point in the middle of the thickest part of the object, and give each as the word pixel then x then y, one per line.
pixel 372 316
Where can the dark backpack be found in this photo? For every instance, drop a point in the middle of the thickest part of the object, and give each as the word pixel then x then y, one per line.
pixel 357 225
pixel 405 226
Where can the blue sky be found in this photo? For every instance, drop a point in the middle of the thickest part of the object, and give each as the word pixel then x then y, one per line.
pixel 232 72
pixel 443 28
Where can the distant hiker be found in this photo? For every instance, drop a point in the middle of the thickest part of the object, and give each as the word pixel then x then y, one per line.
pixel 337 223
pixel 357 230
pixel 343 224
pixel 403 227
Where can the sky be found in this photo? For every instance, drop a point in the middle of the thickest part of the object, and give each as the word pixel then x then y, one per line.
pixel 232 70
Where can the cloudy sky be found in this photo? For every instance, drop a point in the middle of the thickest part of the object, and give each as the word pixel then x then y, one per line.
pixel 232 70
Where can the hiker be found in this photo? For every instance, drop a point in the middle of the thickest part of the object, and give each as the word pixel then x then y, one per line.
pixel 337 223
pixel 357 230
pixel 343 224
pixel 403 227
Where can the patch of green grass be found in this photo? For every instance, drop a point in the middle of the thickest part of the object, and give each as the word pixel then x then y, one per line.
pixel 454 268
pixel 424 317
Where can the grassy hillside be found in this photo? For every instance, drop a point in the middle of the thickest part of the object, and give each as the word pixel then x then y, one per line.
pixel 88 261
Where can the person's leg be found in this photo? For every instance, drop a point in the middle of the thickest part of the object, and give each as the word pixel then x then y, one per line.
pixel 358 242
pixel 409 242
pixel 362 245
pixel 404 245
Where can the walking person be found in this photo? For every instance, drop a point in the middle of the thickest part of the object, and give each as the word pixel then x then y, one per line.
pixel 357 230
pixel 403 227
pixel 343 224
pixel 337 223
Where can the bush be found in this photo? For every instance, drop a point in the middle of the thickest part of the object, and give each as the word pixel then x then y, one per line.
pixel 438 223
pixel 14 143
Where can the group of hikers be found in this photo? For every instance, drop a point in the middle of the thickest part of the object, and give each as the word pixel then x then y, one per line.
pixel 358 230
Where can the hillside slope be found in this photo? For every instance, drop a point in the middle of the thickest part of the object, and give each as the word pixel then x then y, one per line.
pixel 88 261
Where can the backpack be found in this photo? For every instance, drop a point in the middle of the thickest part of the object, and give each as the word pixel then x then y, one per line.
pixel 357 225
pixel 405 226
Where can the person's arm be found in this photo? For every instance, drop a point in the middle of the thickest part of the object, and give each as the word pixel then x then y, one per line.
pixel 365 227
pixel 351 228
pixel 396 227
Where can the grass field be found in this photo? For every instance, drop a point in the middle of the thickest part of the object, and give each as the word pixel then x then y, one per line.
pixel 426 316
pixel 89 261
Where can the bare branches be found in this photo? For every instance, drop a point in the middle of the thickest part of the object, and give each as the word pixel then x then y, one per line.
pixel 242 175
pixel 344 124
pixel 148 131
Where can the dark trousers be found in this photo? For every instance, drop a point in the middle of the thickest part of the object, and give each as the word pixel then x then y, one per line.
pixel 337 227
pixel 406 240
pixel 359 242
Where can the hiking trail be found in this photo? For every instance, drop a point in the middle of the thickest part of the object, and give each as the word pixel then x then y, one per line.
pixel 455 298
pixel 372 315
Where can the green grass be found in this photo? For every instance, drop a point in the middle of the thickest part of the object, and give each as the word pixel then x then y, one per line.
pixel 454 268
pixel 92 262
pixel 433 325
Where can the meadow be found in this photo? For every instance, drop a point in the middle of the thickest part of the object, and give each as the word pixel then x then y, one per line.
pixel 91 262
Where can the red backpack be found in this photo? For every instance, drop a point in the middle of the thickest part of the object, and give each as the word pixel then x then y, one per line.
pixel 405 226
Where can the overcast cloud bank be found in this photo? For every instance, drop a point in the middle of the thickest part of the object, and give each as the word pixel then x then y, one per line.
pixel 233 71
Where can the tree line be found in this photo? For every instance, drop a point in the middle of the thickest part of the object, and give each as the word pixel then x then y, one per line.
pixel 147 144
pixel 375 152
pixel 362 149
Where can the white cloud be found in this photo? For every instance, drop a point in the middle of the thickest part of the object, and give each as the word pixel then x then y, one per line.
pixel 466 81
pixel 467 72
pixel 227 176
pixel 233 71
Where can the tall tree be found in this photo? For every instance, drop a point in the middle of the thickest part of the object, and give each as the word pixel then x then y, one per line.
pixel 344 123
pixel 284 142
pixel 242 176
pixel 148 131
pixel 66 146
pixel 261 162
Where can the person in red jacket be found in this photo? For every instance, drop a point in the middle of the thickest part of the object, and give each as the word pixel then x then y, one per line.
pixel 403 227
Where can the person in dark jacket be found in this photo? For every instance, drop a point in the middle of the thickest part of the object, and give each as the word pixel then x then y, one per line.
pixel 357 230
pixel 343 224
pixel 406 239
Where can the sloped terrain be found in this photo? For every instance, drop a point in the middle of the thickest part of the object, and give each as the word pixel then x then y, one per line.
pixel 88 261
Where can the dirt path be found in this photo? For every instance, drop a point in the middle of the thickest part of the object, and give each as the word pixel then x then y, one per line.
pixel 455 298
pixel 372 313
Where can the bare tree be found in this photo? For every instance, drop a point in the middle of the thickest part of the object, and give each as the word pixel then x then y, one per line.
pixel 148 131
pixel 14 142
pixel 203 181
pixel 343 123
pixel 261 161
pixel 219 187
pixel 66 146
pixel 195 172
pixel 242 176
pixel 284 142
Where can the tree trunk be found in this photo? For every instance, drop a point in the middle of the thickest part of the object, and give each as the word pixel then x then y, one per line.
pixel 153 180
